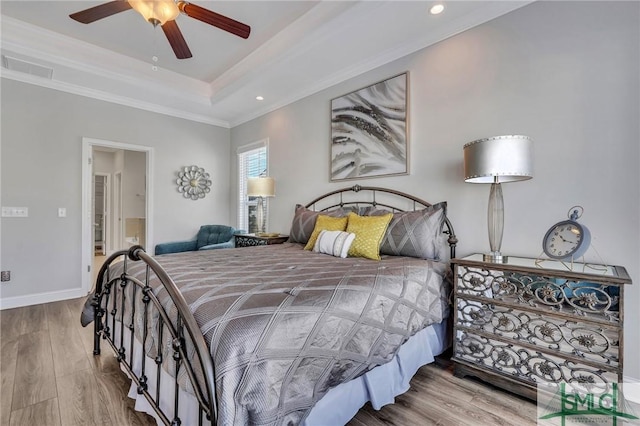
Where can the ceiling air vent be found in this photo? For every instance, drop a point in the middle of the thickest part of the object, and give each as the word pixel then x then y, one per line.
pixel 26 67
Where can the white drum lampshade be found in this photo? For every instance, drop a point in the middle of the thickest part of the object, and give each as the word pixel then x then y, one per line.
pixel 496 160
pixel 261 187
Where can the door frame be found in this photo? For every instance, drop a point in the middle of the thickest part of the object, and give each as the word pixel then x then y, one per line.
pixel 107 210
pixel 117 210
pixel 87 194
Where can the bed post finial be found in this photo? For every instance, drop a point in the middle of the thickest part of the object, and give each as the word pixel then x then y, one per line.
pixel 133 252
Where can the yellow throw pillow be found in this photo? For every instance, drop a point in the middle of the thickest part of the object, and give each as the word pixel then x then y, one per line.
pixel 369 232
pixel 326 223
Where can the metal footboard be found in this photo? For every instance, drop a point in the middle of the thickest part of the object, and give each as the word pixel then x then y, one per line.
pixel 114 305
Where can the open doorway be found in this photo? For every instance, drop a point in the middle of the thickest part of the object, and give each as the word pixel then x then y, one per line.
pixel 116 197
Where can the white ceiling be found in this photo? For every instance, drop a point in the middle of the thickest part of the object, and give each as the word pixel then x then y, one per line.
pixel 295 49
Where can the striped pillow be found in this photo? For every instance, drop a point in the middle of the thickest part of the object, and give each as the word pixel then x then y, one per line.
pixel 325 223
pixel 335 243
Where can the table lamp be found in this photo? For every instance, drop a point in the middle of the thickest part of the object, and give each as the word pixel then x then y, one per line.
pixel 496 160
pixel 261 187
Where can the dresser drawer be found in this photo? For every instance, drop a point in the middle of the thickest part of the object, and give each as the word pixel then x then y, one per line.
pixel 541 331
pixel 523 364
pixel 596 300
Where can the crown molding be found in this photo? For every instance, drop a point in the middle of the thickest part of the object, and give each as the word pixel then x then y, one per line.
pixel 307 30
pixel 109 97
pixel 88 70
pixel 457 26
pixel 105 75
pixel 59 49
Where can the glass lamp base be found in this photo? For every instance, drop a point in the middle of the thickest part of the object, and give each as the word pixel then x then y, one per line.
pixel 495 257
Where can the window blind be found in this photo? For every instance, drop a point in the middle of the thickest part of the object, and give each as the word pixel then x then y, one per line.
pixel 252 162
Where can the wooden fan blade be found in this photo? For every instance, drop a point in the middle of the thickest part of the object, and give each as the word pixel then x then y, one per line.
pixel 215 19
pixel 92 14
pixel 176 40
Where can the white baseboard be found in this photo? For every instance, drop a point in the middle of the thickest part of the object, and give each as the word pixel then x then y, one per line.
pixel 632 393
pixel 629 379
pixel 36 299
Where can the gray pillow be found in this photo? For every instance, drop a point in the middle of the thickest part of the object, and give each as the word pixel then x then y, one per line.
pixel 416 233
pixel 304 220
pixel 373 211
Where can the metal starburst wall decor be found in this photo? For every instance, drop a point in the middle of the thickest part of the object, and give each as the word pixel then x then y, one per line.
pixel 193 182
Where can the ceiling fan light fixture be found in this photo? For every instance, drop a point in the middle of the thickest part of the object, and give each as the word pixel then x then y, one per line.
pixel 156 11
pixel 164 12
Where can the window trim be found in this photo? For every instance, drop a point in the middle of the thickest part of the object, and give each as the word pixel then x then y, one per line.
pixel 242 218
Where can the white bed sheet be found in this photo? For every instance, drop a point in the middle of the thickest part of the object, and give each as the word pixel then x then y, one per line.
pixel 380 385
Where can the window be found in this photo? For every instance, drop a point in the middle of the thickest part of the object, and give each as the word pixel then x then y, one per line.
pixel 252 162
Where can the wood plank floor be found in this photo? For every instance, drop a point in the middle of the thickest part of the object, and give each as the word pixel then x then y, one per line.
pixel 49 376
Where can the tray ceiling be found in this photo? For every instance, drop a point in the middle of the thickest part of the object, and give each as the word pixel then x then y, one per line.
pixel 296 48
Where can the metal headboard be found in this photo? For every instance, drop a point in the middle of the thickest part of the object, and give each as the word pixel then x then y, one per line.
pixel 336 199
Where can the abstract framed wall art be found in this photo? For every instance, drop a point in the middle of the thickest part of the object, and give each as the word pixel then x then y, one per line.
pixel 369 131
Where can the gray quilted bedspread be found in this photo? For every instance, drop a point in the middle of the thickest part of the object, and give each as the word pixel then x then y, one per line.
pixel 285 325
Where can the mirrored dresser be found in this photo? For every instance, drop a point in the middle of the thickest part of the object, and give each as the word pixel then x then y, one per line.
pixel 533 321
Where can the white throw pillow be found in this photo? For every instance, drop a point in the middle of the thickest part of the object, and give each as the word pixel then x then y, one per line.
pixel 335 243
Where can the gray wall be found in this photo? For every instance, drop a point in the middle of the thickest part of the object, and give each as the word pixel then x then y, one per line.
pixel 133 184
pixel 564 73
pixel 42 133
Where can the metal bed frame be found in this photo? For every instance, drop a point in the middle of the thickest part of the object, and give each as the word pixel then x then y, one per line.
pixel 109 303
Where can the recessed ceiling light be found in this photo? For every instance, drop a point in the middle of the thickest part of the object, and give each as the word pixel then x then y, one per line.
pixel 436 9
pixel 260 98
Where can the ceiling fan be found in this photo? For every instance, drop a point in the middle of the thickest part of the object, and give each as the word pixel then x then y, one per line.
pixel 164 13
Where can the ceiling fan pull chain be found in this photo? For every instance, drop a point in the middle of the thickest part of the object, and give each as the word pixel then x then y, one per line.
pixel 154 48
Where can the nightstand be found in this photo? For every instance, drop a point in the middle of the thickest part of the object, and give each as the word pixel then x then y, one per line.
pixel 249 240
pixel 528 321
